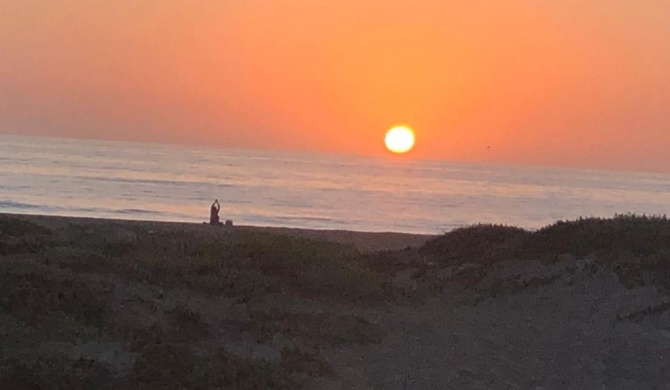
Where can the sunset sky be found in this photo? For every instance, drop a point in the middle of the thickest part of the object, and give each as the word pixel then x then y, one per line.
pixel 551 82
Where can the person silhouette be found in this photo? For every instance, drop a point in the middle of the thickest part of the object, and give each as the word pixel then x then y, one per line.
pixel 214 213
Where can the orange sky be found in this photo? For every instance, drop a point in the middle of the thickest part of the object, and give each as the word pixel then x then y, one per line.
pixel 569 82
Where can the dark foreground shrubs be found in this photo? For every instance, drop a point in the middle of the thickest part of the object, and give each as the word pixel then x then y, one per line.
pixel 251 263
pixel 624 234
pixel 188 323
pixel 166 367
pixel 21 236
pixel 35 294
pixel 474 244
pixel 38 372
pixel 236 263
pixel 298 360
pixel 636 248
pixel 12 226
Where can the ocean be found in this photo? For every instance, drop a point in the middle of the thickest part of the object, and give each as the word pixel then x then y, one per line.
pixel 142 181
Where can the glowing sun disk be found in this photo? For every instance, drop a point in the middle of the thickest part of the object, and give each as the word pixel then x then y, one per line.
pixel 399 139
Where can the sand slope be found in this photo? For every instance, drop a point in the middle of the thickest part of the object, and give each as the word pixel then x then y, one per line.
pixel 564 335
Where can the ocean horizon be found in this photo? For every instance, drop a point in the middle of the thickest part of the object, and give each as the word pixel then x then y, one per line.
pixel 164 182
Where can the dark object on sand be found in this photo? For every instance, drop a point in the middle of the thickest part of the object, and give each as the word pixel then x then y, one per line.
pixel 214 214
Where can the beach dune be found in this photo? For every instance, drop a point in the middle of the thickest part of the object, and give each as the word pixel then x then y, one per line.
pixel 580 304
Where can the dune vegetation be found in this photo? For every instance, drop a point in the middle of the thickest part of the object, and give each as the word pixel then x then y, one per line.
pixel 636 248
pixel 112 305
pixel 70 286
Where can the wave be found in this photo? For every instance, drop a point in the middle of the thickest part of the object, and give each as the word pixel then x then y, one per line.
pixel 135 211
pixel 124 214
pixel 292 221
pixel 158 182
pixel 308 218
pixel 17 205
pixel 45 209
pixel 51 209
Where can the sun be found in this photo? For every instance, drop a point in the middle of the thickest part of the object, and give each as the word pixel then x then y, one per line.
pixel 399 139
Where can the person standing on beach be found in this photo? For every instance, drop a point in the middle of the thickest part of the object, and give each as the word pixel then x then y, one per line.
pixel 214 213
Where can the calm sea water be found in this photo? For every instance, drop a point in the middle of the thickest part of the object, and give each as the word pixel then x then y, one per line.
pixel 123 180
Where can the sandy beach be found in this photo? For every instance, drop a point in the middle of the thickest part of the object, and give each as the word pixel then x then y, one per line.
pixel 123 304
pixel 364 241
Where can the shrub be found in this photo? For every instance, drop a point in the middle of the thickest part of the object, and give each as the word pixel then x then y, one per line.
pixel 38 372
pixel 623 234
pixel 35 293
pixel 18 227
pixel 638 235
pixel 188 323
pixel 245 263
pixel 478 244
pixel 21 236
pixel 634 247
pixel 165 367
pixel 310 362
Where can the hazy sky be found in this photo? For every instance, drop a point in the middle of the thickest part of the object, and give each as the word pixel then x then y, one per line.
pixel 553 82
